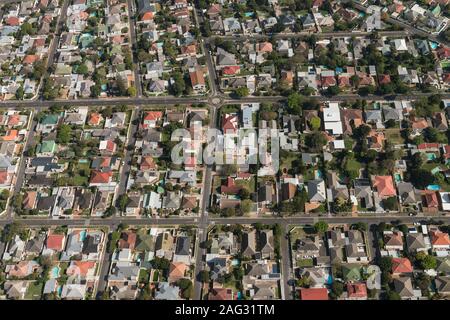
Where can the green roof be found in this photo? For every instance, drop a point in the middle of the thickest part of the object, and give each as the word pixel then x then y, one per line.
pixel 50 119
pixel 47 146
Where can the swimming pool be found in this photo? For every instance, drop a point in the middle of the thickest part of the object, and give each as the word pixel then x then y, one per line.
pixel 55 272
pixel 239 295
pixel 433 45
pixel 319 174
pixel 235 262
pixel 398 177
pixel 434 187
pixel 431 156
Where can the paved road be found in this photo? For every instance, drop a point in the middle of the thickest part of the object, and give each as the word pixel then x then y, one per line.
pixel 217 220
pixel 286 265
pixel 104 268
pixel 203 225
pixel 305 34
pixel 132 21
pixel 224 100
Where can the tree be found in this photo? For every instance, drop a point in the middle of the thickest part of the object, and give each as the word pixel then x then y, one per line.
pixel 242 92
pixel 204 276
pixel 316 140
pixel 20 93
pixel 294 103
pixel 392 295
pixel 385 263
pixel 426 261
pixel 229 169
pixel 333 90
pixel 337 288
pixel 321 227
pixel 178 85
pixel 315 123
pixel 421 178
pixel 82 69
pixel 121 86
pixel 63 134
pixel 123 202
pixel 10 231
pixel 391 203
pixel 131 91
pixel 246 205
pixel 229 212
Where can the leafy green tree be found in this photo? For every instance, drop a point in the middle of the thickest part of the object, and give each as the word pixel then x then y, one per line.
pixel 426 261
pixel 82 69
pixel 321 227
pixel 63 134
pixel 242 92
pixel 315 123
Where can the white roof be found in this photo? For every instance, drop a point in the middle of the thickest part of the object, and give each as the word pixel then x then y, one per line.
pixel 335 127
pixel 400 45
pixel 339 144
pixel 332 113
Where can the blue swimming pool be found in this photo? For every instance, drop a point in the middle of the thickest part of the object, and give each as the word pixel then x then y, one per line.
pixel 239 295
pixel 55 272
pixel 235 262
pixel 433 45
pixel 434 187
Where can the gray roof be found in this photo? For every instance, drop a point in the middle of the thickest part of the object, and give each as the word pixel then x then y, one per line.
pixel 407 193
pixel 167 292
pixel 403 286
pixel 443 284
pixel 391 114
pixel 373 115
pixel 249 243
pixel 172 200
pixel 182 246
pixel 36 244
pixel 266 241
pixel 415 241
pixel 123 272
pixel 316 190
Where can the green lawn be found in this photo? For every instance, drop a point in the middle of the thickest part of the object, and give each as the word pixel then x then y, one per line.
pixel 394 136
pixel 156 276
pixel 248 184
pixel 305 263
pixel 144 275
pixel 286 162
pixel 352 165
pixel 34 291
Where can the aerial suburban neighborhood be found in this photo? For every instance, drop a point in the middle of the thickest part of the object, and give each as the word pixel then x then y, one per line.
pixel 224 150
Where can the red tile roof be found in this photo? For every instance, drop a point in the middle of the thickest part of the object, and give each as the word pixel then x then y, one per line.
pixel 55 242
pixel 153 116
pixel 385 186
pixel 356 290
pixel 314 294
pixel 439 238
pixel 231 70
pixel 100 177
pixel 401 265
